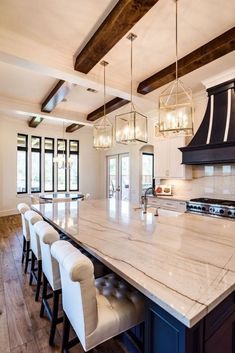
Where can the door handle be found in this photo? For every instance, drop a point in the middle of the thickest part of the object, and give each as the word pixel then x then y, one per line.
pixel 118 188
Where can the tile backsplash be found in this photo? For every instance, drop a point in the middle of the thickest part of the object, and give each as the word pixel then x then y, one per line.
pixel 215 181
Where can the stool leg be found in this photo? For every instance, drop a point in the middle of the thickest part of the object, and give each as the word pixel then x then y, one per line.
pixel 44 293
pixel 65 337
pixel 23 250
pixel 27 256
pixel 56 295
pixel 39 280
pixel 33 258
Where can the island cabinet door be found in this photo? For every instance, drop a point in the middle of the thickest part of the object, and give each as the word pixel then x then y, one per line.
pixel 165 334
pixel 223 341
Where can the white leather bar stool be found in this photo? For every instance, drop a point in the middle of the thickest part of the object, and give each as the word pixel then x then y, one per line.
pixel 51 274
pixel 35 273
pixel 97 310
pixel 22 208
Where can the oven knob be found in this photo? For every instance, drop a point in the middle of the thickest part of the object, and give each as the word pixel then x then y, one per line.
pixel 203 208
pixel 229 213
pixel 221 211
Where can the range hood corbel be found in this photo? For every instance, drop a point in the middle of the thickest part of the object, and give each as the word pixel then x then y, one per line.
pixel 214 141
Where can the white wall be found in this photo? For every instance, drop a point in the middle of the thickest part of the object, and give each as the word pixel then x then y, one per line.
pixel 9 127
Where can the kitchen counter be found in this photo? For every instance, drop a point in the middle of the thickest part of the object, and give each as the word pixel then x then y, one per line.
pixel 184 263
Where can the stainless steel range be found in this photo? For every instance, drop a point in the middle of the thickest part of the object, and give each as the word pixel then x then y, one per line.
pixel 212 207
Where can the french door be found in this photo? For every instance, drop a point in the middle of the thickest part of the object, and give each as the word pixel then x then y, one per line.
pixel 118 176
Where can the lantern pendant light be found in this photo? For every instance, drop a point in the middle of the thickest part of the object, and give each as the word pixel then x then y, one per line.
pixel 175 102
pixel 103 129
pixel 131 126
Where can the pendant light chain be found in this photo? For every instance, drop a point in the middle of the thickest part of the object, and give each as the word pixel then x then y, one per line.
pixel 132 74
pixel 104 92
pixel 176 50
pixel 132 37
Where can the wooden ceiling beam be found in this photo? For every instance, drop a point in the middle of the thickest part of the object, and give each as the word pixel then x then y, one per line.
pixel 35 121
pixel 124 15
pixel 58 93
pixel 207 53
pixel 109 107
pixel 73 127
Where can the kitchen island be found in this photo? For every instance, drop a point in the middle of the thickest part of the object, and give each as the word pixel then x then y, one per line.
pixel 183 264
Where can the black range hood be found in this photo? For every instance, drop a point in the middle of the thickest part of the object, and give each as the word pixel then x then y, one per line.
pixel 214 141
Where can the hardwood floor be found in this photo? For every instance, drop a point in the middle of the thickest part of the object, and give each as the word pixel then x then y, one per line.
pixel 21 328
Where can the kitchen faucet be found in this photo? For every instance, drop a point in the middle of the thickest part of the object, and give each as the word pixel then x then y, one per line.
pixel 145 200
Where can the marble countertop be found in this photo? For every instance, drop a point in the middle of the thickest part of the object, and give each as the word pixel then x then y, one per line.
pixel 185 263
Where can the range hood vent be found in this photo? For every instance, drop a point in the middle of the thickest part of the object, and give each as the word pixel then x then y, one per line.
pixel 214 141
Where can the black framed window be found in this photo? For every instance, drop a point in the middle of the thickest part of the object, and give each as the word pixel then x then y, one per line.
pixel 74 169
pixel 147 170
pixel 22 164
pixel 61 172
pixel 36 152
pixel 48 164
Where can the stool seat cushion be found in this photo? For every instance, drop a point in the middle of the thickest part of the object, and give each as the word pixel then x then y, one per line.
pixel 120 307
pixel 97 309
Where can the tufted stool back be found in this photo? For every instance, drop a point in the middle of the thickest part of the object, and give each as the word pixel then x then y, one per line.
pixel 33 217
pixel 78 288
pixel 22 208
pixel 47 236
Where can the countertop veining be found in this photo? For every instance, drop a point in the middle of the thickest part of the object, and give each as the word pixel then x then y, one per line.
pixel 184 263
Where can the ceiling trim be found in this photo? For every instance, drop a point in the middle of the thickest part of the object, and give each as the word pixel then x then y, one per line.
pixel 119 21
pixel 56 96
pixel 219 46
pixel 73 127
pixel 112 105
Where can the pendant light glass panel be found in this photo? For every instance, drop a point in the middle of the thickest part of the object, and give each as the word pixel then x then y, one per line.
pixel 176 103
pixel 103 129
pixel 103 135
pixel 131 126
pixel 176 110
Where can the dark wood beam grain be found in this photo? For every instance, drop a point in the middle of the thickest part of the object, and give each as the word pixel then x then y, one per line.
pixel 119 21
pixel 73 127
pixel 35 121
pixel 110 107
pixel 58 93
pixel 207 53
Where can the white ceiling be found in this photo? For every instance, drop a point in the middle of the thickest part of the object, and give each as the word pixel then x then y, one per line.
pixel 65 26
pixel 23 84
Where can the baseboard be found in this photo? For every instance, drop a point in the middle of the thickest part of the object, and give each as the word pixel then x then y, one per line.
pixel 11 212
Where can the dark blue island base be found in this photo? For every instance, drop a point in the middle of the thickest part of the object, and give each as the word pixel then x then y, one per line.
pixel 213 334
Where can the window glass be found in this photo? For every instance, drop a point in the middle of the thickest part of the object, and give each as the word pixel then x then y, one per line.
pixel 21 172
pixel 49 144
pixel 48 164
pixel 74 163
pixel 35 164
pixel 22 159
pixel 61 171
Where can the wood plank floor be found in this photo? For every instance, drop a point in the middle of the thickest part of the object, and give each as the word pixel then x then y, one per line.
pixel 21 328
